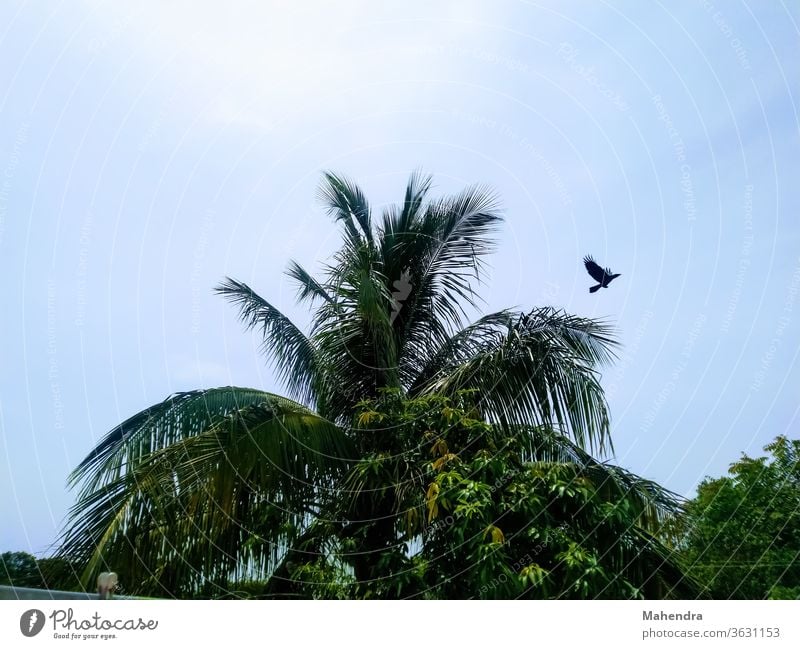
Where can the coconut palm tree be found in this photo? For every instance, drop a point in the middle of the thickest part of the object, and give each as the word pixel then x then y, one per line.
pixel 222 485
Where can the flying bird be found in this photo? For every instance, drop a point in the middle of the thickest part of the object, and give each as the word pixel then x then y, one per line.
pixel 598 274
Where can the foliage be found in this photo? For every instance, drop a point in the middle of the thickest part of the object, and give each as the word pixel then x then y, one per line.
pixel 19 569
pixel 23 570
pixel 458 508
pixel 741 533
pixel 212 491
pixel 59 573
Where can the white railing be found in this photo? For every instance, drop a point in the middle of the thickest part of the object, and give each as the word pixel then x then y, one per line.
pixel 13 592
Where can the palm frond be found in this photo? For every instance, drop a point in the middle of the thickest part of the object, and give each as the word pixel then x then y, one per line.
pixel 209 504
pixel 399 220
pixel 291 352
pixel 308 287
pixel 178 417
pixel 455 237
pixel 653 503
pixel 539 369
pixel 447 252
pixel 348 204
pixel 658 569
pixel 355 344
pixel 436 362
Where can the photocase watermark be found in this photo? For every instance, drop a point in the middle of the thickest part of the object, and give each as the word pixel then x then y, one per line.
pixel 522 562
pixel 783 323
pixel 155 126
pixel 669 386
pixel 543 545
pixel 66 626
pixel 503 578
pixel 679 148
pixel 487 56
pixel 31 622
pixel 744 260
pixel 447 521
pixel 500 483
pixel 9 172
pixel 52 356
pixel 197 264
pixel 98 44
pixel 631 351
pixel 548 292
pixel 727 31
pixel 302 226
pixel 403 288
pixel 569 54
pixel 84 241
pixel 523 143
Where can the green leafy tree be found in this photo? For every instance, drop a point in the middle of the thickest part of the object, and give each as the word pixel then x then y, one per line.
pixel 225 487
pixel 59 573
pixel 476 510
pixel 24 570
pixel 741 533
pixel 19 569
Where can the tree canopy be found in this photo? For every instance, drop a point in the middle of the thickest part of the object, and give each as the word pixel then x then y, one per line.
pixel 23 570
pixel 234 490
pixel 741 533
pixel 471 510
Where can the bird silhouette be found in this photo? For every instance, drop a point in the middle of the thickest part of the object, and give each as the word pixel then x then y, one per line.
pixel 598 274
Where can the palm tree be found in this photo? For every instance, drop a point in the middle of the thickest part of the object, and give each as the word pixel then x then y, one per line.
pixel 222 485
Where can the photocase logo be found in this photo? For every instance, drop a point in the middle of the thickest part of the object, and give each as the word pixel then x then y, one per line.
pixel 403 288
pixel 31 622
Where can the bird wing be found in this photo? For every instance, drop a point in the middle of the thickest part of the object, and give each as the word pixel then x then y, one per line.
pixel 593 269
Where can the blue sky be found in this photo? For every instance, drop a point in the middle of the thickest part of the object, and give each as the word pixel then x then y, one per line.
pixel 148 149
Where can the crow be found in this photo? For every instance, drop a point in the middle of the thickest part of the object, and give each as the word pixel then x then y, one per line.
pixel 598 274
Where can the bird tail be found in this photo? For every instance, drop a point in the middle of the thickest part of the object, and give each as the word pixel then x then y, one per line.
pixel 594 288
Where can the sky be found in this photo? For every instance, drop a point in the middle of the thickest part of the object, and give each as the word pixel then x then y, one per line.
pixel 149 149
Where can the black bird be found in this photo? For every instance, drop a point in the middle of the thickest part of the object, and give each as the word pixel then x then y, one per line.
pixel 598 274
